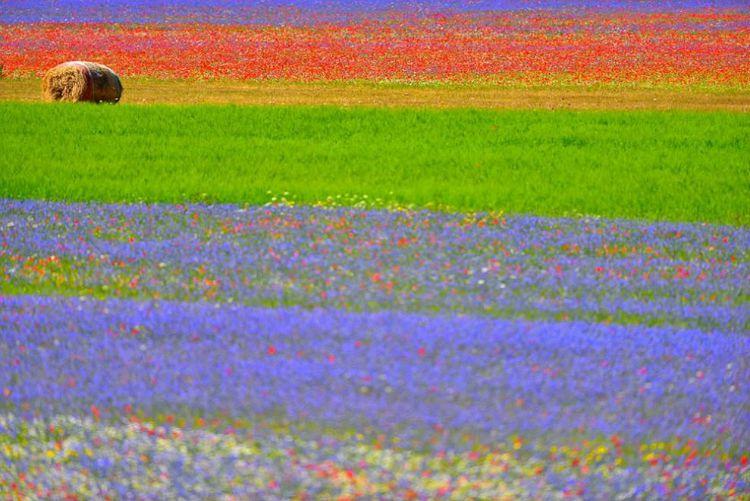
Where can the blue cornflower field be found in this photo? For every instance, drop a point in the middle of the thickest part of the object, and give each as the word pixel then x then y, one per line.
pixel 278 351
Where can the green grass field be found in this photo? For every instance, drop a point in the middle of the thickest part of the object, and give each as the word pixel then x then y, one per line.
pixel 680 166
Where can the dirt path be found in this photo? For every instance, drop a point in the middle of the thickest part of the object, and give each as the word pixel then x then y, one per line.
pixel 151 91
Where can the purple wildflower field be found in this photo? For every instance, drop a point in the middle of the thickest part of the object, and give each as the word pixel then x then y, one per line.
pixel 284 352
pixel 304 12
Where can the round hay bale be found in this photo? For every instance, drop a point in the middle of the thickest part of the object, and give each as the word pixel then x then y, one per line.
pixel 82 81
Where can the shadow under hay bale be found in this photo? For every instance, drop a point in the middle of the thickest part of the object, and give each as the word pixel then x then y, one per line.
pixel 82 81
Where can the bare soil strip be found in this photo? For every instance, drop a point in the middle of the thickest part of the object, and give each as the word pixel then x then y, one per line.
pixel 153 91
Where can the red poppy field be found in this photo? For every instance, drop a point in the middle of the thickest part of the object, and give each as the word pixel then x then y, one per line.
pixel 677 48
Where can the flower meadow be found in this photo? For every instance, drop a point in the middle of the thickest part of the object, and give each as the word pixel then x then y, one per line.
pixel 695 46
pixel 356 349
pixel 159 351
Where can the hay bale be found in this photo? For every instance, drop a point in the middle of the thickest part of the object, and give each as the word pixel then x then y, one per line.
pixel 82 81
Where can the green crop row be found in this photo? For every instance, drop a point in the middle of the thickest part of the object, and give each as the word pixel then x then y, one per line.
pixel 679 166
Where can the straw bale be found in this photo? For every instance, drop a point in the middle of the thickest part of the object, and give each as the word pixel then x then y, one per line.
pixel 82 81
